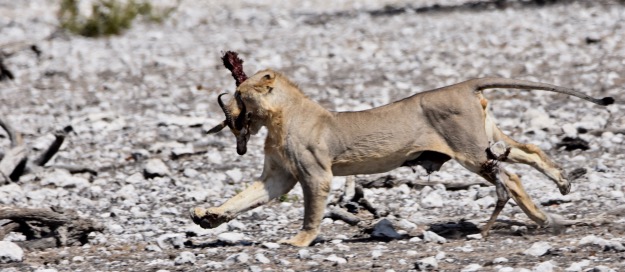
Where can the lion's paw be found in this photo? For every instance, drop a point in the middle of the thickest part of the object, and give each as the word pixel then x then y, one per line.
pixel 302 239
pixel 208 218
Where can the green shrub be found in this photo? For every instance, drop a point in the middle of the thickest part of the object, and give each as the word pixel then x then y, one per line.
pixel 108 17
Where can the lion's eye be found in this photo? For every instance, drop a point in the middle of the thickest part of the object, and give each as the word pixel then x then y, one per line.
pixel 269 89
pixel 267 77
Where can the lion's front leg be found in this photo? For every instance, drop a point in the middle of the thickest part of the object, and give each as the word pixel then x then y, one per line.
pixel 316 191
pixel 274 184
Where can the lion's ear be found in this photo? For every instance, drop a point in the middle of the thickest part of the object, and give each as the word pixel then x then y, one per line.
pixel 269 77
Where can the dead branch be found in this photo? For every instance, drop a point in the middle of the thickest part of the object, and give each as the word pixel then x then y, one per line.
pixel 15 162
pixel 54 147
pixel 340 214
pixel 352 199
pixel 12 164
pixel 45 228
pixel 14 137
pixel 5 73
pixel 75 169
pixel 7 228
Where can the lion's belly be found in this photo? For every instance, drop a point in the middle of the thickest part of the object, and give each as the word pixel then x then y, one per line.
pixel 371 164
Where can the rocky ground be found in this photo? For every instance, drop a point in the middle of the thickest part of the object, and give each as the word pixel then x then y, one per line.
pixel 144 100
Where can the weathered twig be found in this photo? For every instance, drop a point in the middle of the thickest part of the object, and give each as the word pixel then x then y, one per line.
pixel 340 214
pixel 54 147
pixel 15 163
pixel 7 228
pixel 75 169
pixel 14 137
pixel 5 73
pixel 45 228
pixel 12 164
pixel 353 199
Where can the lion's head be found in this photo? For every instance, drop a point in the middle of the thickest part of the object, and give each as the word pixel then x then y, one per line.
pixel 253 101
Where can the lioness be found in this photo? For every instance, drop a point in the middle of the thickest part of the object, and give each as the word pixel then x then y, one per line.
pixel 308 144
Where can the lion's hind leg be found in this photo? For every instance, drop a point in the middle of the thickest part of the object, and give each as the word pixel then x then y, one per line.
pixel 532 155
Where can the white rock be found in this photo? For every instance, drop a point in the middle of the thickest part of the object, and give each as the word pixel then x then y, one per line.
pixel 547 266
pixel 617 194
pixel 519 229
pixel 135 178
pixel 235 174
pixel 429 263
pixel 10 193
pixel 190 173
pixel 184 150
pixel 432 200
pixel 171 240
pixel 231 237
pixel 237 258
pixel 471 268
pixel 411 252
pixel 153 247
pixel 41 269
pixel 486 202
pixel 10 252
pixel 500 260
pixel 156 168
pixel 538 118
pixel 441 255
pixel 466 248
pixel 602 268
pixel 199 231
pixel 430 236
pixel 116 229
pixel 14 236
pixel 236 225
pixel 578 266
pixel 78 259
pixel 214 157
pixel 335 259
pixel 63 178
pixel 538 249
pixel 271 245
pixel 198 195
pixel 303 254
pixel 214 265
pixel 261 258
pixel 605 244
pixel 405 224
pixel 376 254
pixel 415 240
pixel 476 236
pixel 185 257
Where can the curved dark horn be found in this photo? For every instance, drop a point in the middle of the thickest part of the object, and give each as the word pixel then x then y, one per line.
pixel 228 120
pixel 240 121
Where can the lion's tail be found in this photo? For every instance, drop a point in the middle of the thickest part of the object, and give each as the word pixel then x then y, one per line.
pixel 490 83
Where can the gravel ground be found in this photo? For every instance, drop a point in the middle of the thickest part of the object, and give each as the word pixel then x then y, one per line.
pixel 145 99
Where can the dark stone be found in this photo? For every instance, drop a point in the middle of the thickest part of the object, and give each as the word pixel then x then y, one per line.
pixel 384 231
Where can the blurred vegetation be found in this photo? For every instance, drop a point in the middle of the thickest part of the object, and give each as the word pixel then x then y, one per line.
pixel 288 198
pixel 108 17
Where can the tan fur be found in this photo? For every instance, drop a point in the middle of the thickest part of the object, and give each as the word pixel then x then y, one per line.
pixel 310 145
